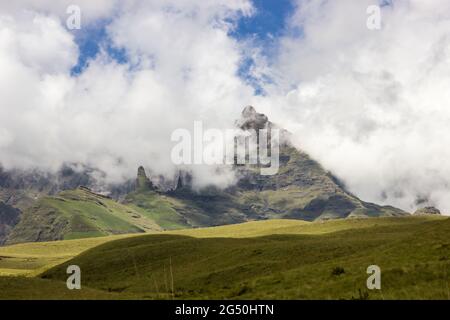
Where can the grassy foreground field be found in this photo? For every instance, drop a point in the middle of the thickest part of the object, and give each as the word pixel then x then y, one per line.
pixel 275 259
pixel 30 259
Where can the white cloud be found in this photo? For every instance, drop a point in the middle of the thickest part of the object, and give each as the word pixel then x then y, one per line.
pixel 91 10
pixel 35 53
pixel 183 67
pixel 372 106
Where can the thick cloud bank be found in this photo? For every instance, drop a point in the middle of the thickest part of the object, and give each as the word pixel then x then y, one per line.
pixel 182 67
pixel 372 105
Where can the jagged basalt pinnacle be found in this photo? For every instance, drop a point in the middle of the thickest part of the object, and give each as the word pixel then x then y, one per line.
pixel 184 181
pixel 142 181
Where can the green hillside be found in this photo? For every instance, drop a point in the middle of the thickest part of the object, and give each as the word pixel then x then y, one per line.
pixel 78 214
pixel 157 207
pixel 279 259
pixel 412 253
pixel 167 209
pixel 35 289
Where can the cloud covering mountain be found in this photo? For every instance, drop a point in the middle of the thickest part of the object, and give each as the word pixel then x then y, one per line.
pixel 371 105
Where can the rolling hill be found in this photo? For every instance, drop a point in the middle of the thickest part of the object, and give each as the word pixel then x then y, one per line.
pixel 276 259
pixel 75 214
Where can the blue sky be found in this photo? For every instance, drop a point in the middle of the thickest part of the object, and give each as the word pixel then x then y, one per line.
pixel 90 40
pixel 268 22
pixel 264 27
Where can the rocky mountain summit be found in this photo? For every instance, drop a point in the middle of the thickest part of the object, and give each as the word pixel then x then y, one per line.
pixel 251 119
pixel 301 189
pixel 427 211
pixel 142 181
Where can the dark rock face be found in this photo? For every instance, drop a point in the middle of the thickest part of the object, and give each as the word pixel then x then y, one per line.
pixel 21 188
pixel 252 119
pixel 142 181
pixel 427 211
pixel 119 191
pixel 184 182
pixel 9 217
pixel 66 178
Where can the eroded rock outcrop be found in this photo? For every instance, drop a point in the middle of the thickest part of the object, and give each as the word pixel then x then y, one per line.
pixel 427 211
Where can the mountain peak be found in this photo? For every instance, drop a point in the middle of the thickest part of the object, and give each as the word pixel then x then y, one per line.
pixel 251 119
pixel 141 172
pixel 248 111
pixel 142 181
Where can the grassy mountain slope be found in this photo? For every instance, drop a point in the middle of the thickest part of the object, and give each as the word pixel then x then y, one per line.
pixel 78 214
pixel 9 217
pixel 301 189
pixel 267 259
pixel 158 207
pixel 167 211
